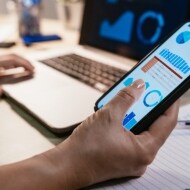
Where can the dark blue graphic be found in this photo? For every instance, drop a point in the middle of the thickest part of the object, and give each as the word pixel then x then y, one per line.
pixel 129 122
pixel 121 30
pixel 129 81
pixel 156 36
pixel 156 98
pixel 184 37
pixel 176 60
pixel 112 1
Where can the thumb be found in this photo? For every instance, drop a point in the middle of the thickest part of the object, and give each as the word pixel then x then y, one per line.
pixel 126 98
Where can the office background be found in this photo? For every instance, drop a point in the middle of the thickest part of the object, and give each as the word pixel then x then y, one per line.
pixel 49 8
pixel 22 137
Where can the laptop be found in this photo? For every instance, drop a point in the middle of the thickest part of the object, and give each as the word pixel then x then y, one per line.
pixel 115 34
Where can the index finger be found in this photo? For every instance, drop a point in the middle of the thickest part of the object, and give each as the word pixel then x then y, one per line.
pixel 163 126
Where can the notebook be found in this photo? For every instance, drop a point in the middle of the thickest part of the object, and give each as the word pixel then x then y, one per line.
pixel 170 170
pixel 115 34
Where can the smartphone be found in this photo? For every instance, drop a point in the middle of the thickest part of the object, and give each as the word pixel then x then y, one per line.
pixel 166 72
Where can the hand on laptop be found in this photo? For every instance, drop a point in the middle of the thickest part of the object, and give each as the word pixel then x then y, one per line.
pixel 99 149
pixel 13 66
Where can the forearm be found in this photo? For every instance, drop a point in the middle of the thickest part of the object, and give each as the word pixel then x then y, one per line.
pixel 31 174
pixel 72 166
pixel 54 170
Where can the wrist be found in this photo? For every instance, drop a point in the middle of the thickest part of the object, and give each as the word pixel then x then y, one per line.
pixel 34 173
pixel 69 166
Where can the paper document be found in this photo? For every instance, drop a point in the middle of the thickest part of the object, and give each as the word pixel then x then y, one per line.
pixel 184 113
pixel 170 169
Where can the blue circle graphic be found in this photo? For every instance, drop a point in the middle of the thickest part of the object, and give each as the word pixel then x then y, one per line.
pixel 157 34
pixel 183 37
pixel 158 98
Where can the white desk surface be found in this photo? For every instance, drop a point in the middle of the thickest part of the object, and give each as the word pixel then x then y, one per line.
pixel 21 136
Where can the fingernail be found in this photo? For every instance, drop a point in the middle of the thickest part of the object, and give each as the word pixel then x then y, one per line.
pixel 138 84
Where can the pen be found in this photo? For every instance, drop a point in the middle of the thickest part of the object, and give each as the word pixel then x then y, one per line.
pixel 185 122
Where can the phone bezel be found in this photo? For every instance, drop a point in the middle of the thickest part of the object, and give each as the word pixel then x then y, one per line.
pixel 148 119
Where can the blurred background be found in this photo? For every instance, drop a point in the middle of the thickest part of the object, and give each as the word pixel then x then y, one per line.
pixel 69 12
pixel 49 8
pixel 50 17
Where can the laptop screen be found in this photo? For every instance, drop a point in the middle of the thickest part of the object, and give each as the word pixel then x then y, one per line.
pixel 131 27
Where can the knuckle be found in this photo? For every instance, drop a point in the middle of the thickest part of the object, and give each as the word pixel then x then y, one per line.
pixel 106 115
pixel 102 117
pixel 127 95
pixel 140 172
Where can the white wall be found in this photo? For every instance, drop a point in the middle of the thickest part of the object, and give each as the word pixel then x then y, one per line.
pixel 49 8
pixel 2 6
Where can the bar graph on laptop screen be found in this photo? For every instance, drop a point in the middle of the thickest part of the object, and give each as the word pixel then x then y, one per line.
pixel 131 27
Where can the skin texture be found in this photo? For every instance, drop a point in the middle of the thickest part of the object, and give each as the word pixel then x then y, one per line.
pixel 14 61
pixel 99 149
pixel 11 61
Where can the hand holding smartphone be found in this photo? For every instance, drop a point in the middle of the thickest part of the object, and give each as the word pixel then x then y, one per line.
pixel 166 72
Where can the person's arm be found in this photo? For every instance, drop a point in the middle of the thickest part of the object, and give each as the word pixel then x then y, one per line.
pixel 99 149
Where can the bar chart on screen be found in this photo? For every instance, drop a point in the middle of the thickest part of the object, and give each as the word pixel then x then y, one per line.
pixel 162 73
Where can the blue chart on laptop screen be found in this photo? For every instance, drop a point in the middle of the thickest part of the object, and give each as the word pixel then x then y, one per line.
pixel 132 27
pixel 162 72
pixel 122 29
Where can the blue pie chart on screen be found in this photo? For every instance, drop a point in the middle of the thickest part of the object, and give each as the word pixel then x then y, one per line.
pixel 152 98
pixel 183 37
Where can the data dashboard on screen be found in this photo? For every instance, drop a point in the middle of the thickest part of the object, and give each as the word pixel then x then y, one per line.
pixel 131 27
pixel 163 71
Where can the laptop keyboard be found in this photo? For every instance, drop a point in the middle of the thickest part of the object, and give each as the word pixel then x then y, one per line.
pixel 88 71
